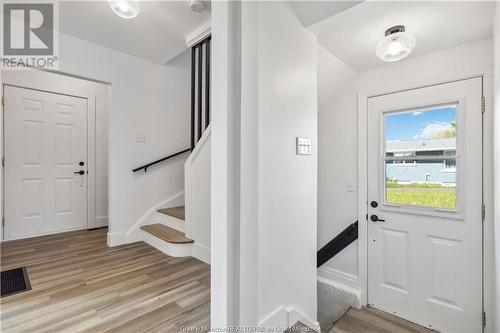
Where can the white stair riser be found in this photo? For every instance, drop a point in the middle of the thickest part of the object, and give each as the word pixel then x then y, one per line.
pixel 173 250
pixel 169 221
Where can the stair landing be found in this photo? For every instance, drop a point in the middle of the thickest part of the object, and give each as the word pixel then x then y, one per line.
pixel 177 212
pixel 167 234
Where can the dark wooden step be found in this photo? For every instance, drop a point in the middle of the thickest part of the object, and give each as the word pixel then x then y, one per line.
pixel 167 234
pixel 177 212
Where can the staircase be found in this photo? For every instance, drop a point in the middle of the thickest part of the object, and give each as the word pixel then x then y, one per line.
pixel 175 230
pixel 168 234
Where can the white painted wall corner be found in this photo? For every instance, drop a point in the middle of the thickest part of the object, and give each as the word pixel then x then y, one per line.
pixel 115 239
pixel 201 252
pixel 285 317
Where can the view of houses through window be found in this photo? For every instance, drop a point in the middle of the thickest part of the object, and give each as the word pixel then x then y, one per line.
pixel 420 157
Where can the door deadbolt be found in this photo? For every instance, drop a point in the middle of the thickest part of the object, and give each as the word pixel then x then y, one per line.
pixel 374 204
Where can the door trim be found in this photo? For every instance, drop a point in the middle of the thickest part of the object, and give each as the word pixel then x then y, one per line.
pixel 63 85
pixel 362 181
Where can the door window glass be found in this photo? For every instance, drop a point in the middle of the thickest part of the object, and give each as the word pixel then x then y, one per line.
pixel 421 157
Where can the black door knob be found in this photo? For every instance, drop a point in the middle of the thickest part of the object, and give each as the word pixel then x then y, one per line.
pixel 375 218
pixel 81 163
pixel 81 172
pixel 374 204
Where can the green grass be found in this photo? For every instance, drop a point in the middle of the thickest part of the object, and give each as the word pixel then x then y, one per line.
pixel 425 198
pixel 391 184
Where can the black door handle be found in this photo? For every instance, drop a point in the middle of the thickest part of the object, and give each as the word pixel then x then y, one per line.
pixel 81 172
pixel 375 218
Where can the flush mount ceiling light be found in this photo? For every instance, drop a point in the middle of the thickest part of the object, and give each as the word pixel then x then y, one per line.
pixel 396 45
pixel 197 6
pixel 125 9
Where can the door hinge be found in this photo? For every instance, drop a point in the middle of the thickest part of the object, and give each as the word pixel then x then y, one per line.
pixel 3 100
pixel 3 221
pixel 484 319
pixel 483 104
pixel 483 212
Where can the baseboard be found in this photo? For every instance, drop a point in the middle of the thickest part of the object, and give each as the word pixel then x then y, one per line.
pixel 283 318
pixel 45 234
pixel 100 221
pixel 201 252
pixel 117 238
pixel 344 278
pixel 133 234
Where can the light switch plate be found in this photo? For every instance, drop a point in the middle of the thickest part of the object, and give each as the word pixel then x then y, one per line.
pixel 140 138
pixel 351 186
pixel 303 146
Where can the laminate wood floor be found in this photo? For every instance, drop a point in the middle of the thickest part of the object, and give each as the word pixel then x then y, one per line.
pixel 81 285
pixel 370 320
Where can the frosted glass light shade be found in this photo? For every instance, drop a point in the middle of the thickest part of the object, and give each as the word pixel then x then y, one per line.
pixel 125 9
pixel 395 46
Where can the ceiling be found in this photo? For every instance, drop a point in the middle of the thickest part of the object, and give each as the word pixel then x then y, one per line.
pixel 156 34
pixel 311 12
pixel 353 34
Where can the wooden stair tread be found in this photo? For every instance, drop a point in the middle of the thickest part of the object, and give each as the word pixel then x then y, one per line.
pixel 167 234
pixel 177 212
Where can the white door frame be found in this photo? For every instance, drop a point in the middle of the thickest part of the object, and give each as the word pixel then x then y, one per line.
pixel 71 86
pixel 362 198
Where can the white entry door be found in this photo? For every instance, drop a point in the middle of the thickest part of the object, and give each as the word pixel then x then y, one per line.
pixel 424 205
pixel 45 162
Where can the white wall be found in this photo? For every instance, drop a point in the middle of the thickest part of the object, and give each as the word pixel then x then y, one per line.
pixel 330 85
pixel 496 131
pixel 148 99
pixel 225 156
pixel 337 101
pixel 1 178
pixel 278 187
pixel 197 171
pixel 338 136
pixel 287 191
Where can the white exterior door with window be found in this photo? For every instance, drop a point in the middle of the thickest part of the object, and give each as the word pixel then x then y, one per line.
pixel 45 153
pixel 424 205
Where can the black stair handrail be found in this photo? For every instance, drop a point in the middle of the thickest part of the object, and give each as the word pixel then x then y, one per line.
pixel 200 97
pixel 146 166
pixel 340 242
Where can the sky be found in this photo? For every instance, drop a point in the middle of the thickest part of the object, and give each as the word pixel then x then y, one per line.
pixel 421 124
